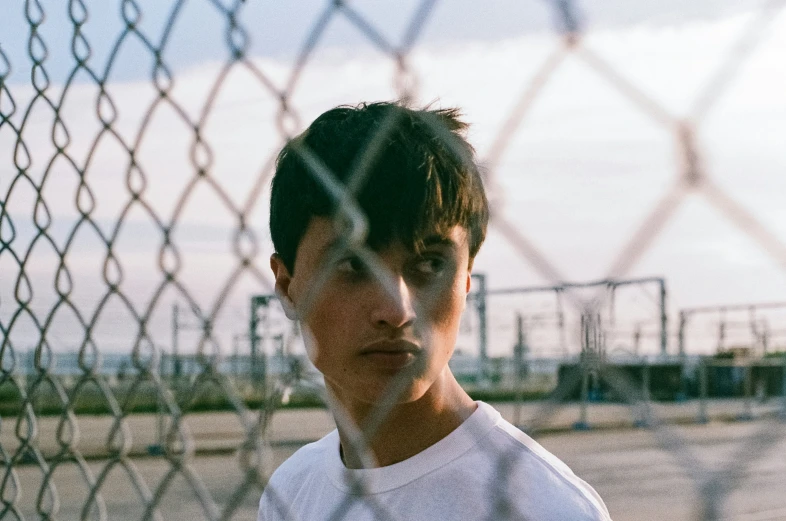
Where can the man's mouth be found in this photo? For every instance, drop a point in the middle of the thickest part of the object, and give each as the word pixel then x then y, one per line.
pixel 390 354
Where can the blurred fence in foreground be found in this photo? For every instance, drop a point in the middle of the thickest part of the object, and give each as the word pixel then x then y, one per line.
pixel 58 181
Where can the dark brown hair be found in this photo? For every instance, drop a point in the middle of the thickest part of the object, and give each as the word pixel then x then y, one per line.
pixel 421 181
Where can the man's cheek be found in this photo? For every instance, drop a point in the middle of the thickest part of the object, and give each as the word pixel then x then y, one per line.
pixel 449 307
pixel 311 343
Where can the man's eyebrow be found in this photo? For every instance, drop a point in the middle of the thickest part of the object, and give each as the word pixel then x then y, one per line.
pixel 329 247
pixel 438 240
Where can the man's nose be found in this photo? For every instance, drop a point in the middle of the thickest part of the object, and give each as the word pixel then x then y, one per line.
pixel 393 305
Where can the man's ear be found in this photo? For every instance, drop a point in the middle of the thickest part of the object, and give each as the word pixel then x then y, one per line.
pixel 469 284
pixel 469 275
pixel 283 279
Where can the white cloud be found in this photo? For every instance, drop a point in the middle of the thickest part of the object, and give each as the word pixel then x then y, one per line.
pixel 578 177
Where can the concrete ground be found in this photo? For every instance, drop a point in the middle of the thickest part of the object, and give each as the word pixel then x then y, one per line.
pixel 214 432
pixel 642 474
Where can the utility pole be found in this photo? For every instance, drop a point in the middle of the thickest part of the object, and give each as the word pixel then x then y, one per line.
pixel 520 351
pixel 176 367
pixel 664 335
pixel 258 362
pixel 178 325
pixel 480 303
pixel 236 355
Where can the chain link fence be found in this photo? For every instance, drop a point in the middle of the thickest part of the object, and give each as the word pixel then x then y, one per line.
pixel 104 233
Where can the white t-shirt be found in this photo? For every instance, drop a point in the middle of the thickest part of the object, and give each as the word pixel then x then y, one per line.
pixel 486 469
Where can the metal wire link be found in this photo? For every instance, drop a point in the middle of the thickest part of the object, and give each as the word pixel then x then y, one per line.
pixel 23 443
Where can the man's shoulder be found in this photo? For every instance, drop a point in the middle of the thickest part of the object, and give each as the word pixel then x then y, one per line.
pixel 549 480
pixel 304 462
pixel 293 476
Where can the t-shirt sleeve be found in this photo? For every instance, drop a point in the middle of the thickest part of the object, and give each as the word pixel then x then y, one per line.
pixel 272 505
pixel 557 481
pixel 264 510
pixel 269 508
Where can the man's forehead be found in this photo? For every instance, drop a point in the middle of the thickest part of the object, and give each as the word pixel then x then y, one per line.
pixel 330 238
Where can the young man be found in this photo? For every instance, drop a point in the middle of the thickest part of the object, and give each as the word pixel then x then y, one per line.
pixel 381 327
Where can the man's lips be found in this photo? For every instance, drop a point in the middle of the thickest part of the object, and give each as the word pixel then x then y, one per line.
pixel 391 347
pixel 390 355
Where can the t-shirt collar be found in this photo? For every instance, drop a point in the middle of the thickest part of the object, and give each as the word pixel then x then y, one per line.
pixel 383 479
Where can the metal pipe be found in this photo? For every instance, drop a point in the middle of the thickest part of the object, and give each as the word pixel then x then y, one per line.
pixel 480 303
pixel 664 338
pixel 566 285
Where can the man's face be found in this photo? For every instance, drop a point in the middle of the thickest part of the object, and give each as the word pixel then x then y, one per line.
pixel 360 333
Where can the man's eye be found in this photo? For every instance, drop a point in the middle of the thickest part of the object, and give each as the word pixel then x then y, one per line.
pixel 351 265
pixel 430 266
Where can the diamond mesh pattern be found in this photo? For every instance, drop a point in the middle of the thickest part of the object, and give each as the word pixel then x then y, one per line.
pixel 43 176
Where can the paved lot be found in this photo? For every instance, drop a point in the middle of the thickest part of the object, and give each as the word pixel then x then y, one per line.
pixel 642 474
pixel 223 431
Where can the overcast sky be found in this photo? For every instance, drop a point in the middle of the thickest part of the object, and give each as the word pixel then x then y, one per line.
pixel 577 179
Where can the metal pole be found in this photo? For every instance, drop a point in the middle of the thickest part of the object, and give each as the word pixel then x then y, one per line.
pixel 583 423
pixel 645 395
pixel 681 353
pixel 645 382
pixel 176 368
pixel 518 357
pixel 754 328
pixel 663 319
pixel 160 417
pixel 722 330
pixel 783 386
pixel 157 448
pixel 253 323
pixel 480 302
pixel 561 324
pixel 585 358
pixel 747 411
pixel 702 391
pixel 681 333
pixel 236 355
pixel 260 375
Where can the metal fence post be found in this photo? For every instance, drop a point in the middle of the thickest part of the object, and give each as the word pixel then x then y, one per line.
pixel 747 384
pixel 583 423
pixel 645 394
pixel 519 351
pixel 783 386
pixel 702 418
pixel 480 302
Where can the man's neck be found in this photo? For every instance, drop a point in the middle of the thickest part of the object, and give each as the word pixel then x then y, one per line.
pixel 409 428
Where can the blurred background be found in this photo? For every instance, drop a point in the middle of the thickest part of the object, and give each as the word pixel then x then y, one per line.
pixel 629 305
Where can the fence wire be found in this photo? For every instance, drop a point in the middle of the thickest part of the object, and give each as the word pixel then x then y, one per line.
pixel 64 461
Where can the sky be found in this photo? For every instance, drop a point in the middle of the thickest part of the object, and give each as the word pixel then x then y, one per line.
pixel 580 173
pixel 279 29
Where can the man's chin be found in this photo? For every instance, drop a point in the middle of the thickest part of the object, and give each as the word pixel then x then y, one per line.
pixel 380 394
